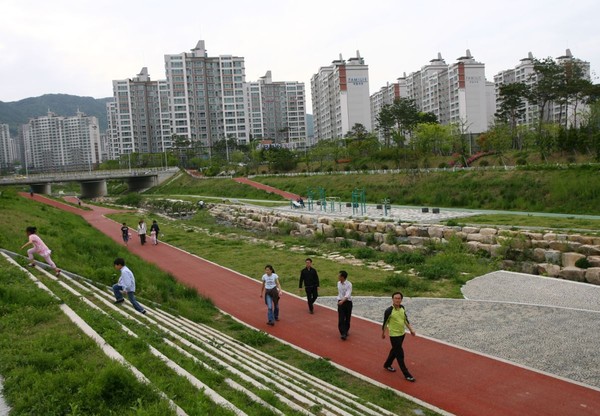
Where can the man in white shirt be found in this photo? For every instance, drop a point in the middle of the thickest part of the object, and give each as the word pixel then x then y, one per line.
pixel 344 302
pixel 126 284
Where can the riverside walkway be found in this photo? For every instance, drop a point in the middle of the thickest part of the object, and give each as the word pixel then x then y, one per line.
pixel 449 378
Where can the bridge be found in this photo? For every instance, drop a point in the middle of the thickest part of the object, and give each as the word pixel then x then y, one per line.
pixel 93 183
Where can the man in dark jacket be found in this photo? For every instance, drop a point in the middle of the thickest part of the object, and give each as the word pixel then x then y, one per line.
pixel 310 278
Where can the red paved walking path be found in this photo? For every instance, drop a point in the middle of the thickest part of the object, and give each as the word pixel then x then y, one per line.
pixel 258 185
pixel 452 379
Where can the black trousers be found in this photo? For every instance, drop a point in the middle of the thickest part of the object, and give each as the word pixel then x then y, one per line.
pixel 143 238
pixel 344 315
pixel 312 293
pixel 397 352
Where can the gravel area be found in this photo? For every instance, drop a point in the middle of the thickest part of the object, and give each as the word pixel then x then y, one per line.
pixel 395 213
pixel 547 324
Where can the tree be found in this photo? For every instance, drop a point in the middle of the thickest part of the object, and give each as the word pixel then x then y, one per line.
pixel 512 98
pixel 436 138
pixel 385 123
pixel 549 79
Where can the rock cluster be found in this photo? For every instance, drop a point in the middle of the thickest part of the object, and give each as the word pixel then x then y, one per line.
pixel 548 253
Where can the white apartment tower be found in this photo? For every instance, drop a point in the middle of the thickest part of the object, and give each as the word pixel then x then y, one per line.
pixel 277 111
pixel 524 72
pixel 139 117
pixel 54 143
pixel 340 97
pixel 457 93
pixel 207 97
pixel 7 148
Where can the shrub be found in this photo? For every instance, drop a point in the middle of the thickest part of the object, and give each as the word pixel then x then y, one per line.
pixel 390 237
pixel 583 263
pixel 345 243
pixel 484 163
pixel 365 253
pixel 404 259
pixel 443 165
pixel 438 267
pixel 133 200
pixel 396 281
pixel 521 161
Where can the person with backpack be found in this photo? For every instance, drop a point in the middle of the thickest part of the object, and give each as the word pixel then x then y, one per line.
pixel 395 320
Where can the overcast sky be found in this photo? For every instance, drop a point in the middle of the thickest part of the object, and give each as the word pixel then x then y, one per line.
pixel 79 47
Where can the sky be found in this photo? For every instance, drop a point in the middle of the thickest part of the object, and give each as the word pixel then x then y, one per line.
pixel 79 47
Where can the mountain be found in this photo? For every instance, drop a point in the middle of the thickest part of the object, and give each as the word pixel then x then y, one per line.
pixel 16 113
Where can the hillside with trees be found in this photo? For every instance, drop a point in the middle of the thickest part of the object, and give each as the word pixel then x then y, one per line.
pixel 16 113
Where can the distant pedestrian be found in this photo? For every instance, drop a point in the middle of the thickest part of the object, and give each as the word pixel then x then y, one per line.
pixel 141 229
pixel 344 304
pixel 78 201
pixel 38 247
pixel 272 290
pixel 310 279
pixel 395 319
pixel 125 233
pixel 31 192
pixel 154 230
pixel 125 284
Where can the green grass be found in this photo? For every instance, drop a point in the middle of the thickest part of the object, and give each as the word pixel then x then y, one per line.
pixel 50 368
pixel 573 189
pixel 217 247
pixel 514 220
pixel 44 355
pixel 222 188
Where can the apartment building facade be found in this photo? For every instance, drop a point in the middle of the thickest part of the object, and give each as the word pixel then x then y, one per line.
pixel 524 72
pixel 340 98
pixel 55 143
pixel 207 101
pixel 386 96
pixel 457 93
pixel 7 148
pixel 139 118
pixel 277 111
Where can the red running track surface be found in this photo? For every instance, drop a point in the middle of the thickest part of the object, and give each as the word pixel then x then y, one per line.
pixel 450 378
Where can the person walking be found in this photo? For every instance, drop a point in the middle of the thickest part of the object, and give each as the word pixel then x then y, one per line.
pixel 344 304
pixel 125 284
pixel 272 291
pixel 395 319
pixel 125 233
pixel 141 229
pixel 154 230
pixel 38 247
pixel 310 278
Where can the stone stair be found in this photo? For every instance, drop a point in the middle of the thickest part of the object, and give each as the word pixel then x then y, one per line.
pixel 247 371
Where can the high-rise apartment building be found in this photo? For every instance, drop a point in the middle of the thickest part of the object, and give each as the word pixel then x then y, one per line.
pixel 340 97
pixel 457 93
pixel 7 148
pixel 207 97
pixel 277 111
pixel 139 118
pixel 386 96
pixel 61 143
pixel 525 73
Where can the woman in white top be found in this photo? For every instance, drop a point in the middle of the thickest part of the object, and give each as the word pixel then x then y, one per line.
pixel 272 290
pixel 142 231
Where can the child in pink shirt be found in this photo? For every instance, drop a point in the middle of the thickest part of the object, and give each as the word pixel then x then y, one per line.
pixel 38 247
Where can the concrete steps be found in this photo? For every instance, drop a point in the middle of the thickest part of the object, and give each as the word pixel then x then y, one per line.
pixel 247 372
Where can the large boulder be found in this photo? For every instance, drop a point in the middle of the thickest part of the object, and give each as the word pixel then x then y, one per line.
pixel 572 273
pixel 569 259
pixel 592 275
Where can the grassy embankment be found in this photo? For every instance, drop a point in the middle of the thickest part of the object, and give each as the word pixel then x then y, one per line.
pixel 44 355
